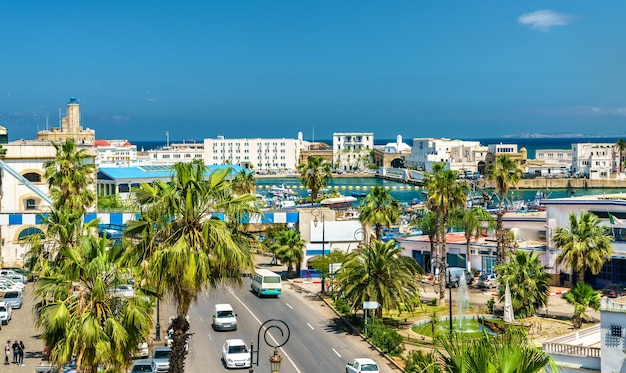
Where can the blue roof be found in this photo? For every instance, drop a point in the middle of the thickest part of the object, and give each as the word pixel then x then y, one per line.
pixel 155 172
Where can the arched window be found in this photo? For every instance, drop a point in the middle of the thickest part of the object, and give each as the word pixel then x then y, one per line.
pixel 33 177
pixel 29 232
pixel 31 204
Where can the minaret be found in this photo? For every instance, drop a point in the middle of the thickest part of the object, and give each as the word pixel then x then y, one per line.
pixel 398 143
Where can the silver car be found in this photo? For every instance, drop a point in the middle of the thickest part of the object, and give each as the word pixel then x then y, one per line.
pixel 161 359
pixel 13 299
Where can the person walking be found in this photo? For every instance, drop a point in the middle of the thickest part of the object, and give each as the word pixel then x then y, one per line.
pixel 20 354
pixel 16 347
pixel 7 352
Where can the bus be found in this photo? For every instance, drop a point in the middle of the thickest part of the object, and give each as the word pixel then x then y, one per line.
pixel 265 282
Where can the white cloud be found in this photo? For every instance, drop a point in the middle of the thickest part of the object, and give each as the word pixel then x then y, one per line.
pixel 542 20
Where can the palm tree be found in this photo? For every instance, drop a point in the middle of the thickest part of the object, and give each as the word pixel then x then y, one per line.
pixel 621 146
pixel 428 224
pixel 472 221
pixel 244 183
pixel 290 250
pixel 586 245
pixel 81 316
pixel 315 175
pixel 511 352
pixel 444 194
pixel 505 173
pixel 380 209
pixel 186 249
pixel 528 281
pixel 582 296
pixel 70 177
pixel 379 272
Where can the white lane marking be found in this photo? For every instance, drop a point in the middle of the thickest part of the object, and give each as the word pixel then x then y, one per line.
pixel 310 326
pixel 289 305
pixel 200 317
pixel 335 351
pixel 210 337
pixel 260 323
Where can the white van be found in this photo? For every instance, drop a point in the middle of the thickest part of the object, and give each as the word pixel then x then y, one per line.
pixel 224 317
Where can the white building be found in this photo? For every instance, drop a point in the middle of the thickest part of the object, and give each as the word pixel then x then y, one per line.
pixel 351 150
pixel 593 160
pixel 258 154
pixel 115 153
pixel 459 155
pixel 172 154
pixel 397 147
pixel 550 162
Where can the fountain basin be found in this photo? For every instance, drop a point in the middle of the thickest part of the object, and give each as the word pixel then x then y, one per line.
pixel 468 325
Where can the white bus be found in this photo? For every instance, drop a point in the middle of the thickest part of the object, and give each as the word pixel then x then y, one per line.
pixel 265 282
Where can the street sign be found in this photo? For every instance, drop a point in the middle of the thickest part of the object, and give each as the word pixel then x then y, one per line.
pixel 334 268
pixel 370 305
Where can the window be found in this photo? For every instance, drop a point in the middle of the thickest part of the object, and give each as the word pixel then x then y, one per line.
pixel 29 232
pixel 33 177
pixel 31 204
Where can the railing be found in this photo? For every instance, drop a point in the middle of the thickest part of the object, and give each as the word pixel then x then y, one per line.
pixel 567 349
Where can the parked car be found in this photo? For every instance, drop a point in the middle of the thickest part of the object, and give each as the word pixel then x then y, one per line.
pixel 362 365
pixel 141 366
pixel 235 354
pixel 13 299
pixel 614 290
pixel 13 273
pixel 454 274
pixel 5 313
pixel 142 351
pixel 161 359
pixel 12 283
pixel 487 280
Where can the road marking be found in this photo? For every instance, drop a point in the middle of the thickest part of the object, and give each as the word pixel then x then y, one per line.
pixel 210 337
pixel 289 305
pixel 260 323
pixel 335 351
pixel 200 317
pixel 310 326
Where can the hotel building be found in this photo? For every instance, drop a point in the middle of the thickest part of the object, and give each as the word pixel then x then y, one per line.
pixel 351 150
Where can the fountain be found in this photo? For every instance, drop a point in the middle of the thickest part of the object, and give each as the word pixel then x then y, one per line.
pixel 463 302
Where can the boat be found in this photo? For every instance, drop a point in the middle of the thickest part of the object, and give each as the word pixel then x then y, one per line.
pixel 281 191
pixel 358 194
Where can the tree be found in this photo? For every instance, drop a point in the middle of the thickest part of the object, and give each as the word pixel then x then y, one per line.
pixel 444 194
pixel 379 272
pixel 322 263
pixel 511 352
pixel 315 175
pixel 290 250
pixel 80 314
pixel 586 245
pixel 621 146
pixel 380 209
pixel 505 173
pixel 471 221
pixel 582 296
pixel 528 282
pixel 184 247
pixel 244 182
pixel 70 177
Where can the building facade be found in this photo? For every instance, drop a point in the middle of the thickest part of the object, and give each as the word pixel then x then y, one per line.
pixel 459 155
pixel 352 150
pixel 594 160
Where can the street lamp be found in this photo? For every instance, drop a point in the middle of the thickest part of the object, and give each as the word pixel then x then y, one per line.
pixel 450 292
pixel 318 212
pixel 158 323
pixel 274 359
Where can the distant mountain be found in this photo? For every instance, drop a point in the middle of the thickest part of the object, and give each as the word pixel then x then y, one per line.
pixel 561 135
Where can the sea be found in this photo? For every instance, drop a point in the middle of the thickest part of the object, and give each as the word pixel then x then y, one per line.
pixel 409 193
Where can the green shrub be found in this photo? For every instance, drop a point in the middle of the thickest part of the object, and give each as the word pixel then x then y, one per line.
pixel 491 303
pixel 388 340
pixel 433 302
pixel 342 306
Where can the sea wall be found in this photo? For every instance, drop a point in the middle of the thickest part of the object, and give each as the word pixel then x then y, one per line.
pixel 565 183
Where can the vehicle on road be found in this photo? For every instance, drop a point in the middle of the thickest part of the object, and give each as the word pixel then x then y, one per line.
pixel 13 299
pixel 487 280
pixel 13 274
pixel 224 317
pixel 266 283
pixel 235 354
pixel 161 359
pixel 12 283
pixel 141 366
pixel 614 290
pixel 362 365
pixel 143 351
pixel 5 313
pixel 454 274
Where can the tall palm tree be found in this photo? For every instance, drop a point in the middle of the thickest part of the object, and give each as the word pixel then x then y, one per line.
pixel 445 193
pixel 505 173
pixel 528 281
pixel 428 224
pixel 290 250
pixel 70 177
pixel 621 146
pixel 472 221
pixel 511 352
pixel 315 175
pixel 81 316
pixel 380 209
pixel 582 296
pixel 379 272
pixel 586 245
pixel 186 249
pixel 244 182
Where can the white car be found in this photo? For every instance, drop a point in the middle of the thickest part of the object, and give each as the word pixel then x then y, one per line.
pixel 5 313
pixel 124 290
pixel 236 354
pixel 362 365
pixel 5 288
pixel 13 283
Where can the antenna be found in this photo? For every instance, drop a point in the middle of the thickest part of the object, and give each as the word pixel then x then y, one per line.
pixel 47 122
pixel 313 134
pixel 60 121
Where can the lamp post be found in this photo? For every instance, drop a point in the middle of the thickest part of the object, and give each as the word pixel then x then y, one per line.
pixel 319 212
pixel 275 359
pixel 450 290
pixel 158 323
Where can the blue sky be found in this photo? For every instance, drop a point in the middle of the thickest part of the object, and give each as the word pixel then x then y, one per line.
pixel 270 68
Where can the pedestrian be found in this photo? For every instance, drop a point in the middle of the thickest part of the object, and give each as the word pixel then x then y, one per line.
pixel 7 352
pixel 16 347
pixel 20 355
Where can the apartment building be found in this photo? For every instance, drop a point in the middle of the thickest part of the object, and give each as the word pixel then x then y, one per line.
pixel 352 150
pixel 594 160
pixel 459 155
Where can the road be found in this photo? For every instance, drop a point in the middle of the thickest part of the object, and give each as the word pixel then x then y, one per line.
pixel 318 342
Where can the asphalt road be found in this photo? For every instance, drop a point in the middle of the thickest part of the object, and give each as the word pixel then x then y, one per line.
pixel 318 342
